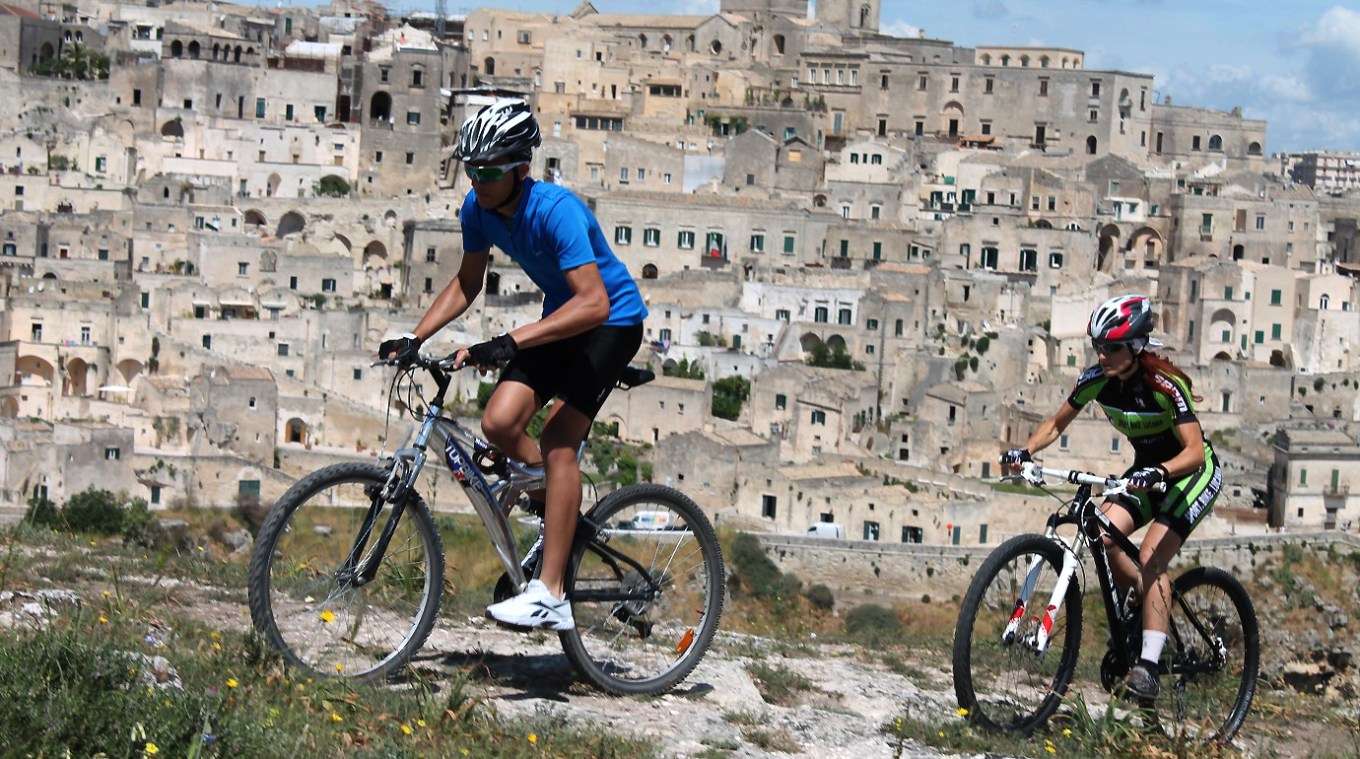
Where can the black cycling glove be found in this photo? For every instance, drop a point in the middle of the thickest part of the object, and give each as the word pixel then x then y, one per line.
pixel 1148 477
pixel 402 349
pixel 493 352
pixel 1016 457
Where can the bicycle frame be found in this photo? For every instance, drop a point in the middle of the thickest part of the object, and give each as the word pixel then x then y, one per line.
pixel 493 502
pixel 1092 525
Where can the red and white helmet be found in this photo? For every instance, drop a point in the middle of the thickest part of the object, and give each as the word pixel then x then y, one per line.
pixel 1125 319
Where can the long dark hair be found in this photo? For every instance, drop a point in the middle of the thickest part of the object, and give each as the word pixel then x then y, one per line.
pixel 1154 364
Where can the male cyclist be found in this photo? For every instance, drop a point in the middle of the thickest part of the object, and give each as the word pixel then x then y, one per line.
pixel 591 327
pixel 1147 399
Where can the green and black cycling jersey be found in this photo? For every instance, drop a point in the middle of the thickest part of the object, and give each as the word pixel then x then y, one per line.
pixel 1145 410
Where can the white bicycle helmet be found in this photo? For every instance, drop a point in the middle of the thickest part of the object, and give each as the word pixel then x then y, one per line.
pixel 505 129
pixel 1126 319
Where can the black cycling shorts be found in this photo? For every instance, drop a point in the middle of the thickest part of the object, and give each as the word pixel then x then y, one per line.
pixel 1187 501
pixel 580 370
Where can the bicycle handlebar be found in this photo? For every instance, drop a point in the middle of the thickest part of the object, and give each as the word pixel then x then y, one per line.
pixel 1034 474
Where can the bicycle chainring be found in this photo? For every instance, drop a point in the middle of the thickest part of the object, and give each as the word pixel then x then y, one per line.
pixel 1112 671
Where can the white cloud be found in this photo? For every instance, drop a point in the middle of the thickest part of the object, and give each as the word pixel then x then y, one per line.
pixel 901 28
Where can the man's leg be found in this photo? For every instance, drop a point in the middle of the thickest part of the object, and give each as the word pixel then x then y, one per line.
pixel 508 411
pixel 562 436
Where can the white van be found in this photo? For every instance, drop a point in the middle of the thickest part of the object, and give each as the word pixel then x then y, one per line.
pixel 826 530
pixel 648 520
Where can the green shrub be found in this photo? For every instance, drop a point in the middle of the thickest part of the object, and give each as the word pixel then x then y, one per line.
pixel 94 510
pixel 139 525
pixel 820 596
pixel 1318 384
pixel 758 574
pixel 982 344
pixel 873 624
pixel 43 513
pixel 729 393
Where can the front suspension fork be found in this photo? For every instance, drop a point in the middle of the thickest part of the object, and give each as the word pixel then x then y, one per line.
pixel 1040 639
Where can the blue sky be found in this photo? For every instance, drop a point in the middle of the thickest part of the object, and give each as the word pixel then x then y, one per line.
pixel 1295 63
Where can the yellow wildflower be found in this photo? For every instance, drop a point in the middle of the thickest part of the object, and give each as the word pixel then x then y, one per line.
pixel 327 616
pixel 533 738
pixel 336 717
pixel 420 723
pixel 1067 732
pixel 405 729
pixel 962 712
pixel 231 682
pixel 339 667
pixel 150 749
pixel 103 620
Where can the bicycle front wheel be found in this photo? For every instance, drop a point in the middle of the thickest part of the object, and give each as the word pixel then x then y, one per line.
pixel 1213 655
pixel 1000 675
pixel 646 591
pixel 304 597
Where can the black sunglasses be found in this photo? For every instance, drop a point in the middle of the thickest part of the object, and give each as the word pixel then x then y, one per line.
pixel 490 173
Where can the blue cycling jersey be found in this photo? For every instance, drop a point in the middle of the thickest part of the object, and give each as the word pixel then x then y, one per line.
pixel 553 232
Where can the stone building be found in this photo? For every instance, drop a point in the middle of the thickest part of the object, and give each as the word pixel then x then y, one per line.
pixel 1312 479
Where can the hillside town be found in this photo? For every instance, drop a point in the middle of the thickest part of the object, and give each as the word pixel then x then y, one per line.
pixel 869 260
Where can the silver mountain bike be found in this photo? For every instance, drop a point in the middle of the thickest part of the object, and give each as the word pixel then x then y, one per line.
pixel 347 572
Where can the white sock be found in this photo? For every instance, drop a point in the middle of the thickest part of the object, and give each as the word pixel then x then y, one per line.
pixel 1153 640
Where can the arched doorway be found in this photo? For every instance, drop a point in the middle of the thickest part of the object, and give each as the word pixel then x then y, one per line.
pixel 254 218
pixel 649 271
pixel 1147 242
pixel 33 370
pixel 78 375
pixel 375 255
pixel 810 341
pixel 272 186
pixel 176 49
pixel 295 431
pixel 194 49
pixel 836 344
pixel 128 369
pixel 290 223
pixel 1109 234
pixel 952 116
pixel 1222 327
pixel 489 66
pixel 173 128
pixel 380 107
pixel 236 55
pixel 1091 145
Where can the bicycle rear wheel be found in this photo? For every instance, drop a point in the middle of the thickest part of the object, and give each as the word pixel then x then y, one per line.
pixel 999 677
pixel 302 595
pixel 1213 655
pixel 653 540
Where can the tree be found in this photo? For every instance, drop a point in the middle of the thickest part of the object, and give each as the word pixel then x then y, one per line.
pixel 826 358
pixel 331 186
pixel 684 370
pixel 729 393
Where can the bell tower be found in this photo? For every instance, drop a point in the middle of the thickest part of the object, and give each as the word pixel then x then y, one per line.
pixel 849 15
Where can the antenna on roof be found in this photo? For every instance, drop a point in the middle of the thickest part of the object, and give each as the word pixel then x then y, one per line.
pixel 439 13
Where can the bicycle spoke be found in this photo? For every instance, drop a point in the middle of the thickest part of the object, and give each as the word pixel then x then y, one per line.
pixel 325 621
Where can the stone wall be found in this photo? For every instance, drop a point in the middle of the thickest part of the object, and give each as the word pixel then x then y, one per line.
pixel 860 571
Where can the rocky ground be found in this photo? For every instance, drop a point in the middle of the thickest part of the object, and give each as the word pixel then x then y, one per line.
pixel 837 708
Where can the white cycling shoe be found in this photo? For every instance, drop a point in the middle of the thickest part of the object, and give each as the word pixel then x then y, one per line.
pixel 535 608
